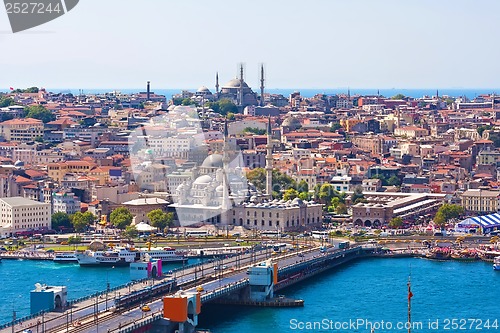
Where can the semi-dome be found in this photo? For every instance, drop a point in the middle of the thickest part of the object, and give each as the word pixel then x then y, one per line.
pixel 202 180
pixel 213 161
pixel 292 123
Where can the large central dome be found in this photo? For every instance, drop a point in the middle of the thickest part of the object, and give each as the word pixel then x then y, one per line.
pixel 213 161
pixel 235 83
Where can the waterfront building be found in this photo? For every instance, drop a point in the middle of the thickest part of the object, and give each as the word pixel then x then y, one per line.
pixel 480 201
pixel 22 214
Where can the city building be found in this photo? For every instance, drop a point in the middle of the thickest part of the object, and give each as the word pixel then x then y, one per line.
pixel 19 214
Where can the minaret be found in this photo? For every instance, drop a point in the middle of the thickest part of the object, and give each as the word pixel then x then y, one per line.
pixel 240 99
pixel 226 204
pixel 269 161
pixel 348 93
pixel 438 104
pixel 262 85
pixel 148 92
pixel 217 83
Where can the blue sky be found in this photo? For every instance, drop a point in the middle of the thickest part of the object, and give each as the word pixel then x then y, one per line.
pixel 303 44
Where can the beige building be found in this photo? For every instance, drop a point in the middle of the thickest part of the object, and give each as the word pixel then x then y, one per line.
pixel 411 132
pixel 22 214
pixel 277 215
pixel 21 130
pixel 139 208
pixel 480 201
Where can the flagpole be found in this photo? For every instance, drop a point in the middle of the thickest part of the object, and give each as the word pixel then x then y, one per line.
pixel 409 303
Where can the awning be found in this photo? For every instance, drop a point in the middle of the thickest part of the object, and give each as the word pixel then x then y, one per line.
pixel 141 227
pixel 486 222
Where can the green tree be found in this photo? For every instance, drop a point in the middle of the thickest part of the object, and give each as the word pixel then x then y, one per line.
pixel 483 128
pixel 335 127
pixel 226 106
pixel 177 100
pixel 60 219
pixel 230 116
pixel 304 196
pixel 393 181
pixel 398 96
pixel 27 90
pixel 188 101
pixel 257 177
pixel 341 208
pixel 6 101
pixel 358 195
pixel 79 221
pixel 74 240
pixel 302 186
pixel 396 222
pixel 447 212
pixel 131 232
pixel 121 217
pixel 39 112
pixel 159 219
pixel 290 194
pixel 254 130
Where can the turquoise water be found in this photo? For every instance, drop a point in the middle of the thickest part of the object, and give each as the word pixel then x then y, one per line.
pixel 417 93
pixel 18 278
pixel 374 290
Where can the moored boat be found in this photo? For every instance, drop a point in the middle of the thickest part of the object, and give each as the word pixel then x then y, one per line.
pixel 65 257
pixel 465 255
pixel 115 257
pixel 166 254
pixel 439 253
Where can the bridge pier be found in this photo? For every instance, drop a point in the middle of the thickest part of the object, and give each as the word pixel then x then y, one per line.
pixel 183 308
pixel 262 278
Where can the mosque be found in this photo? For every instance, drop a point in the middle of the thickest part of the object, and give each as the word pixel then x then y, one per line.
pixel 236 90
pixel 219 194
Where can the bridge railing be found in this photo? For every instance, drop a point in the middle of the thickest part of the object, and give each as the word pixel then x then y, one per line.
pixel 224 289
pixel 135 324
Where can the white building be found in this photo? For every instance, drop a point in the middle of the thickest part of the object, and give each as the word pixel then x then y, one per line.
pixel 65 202
pixel 21 214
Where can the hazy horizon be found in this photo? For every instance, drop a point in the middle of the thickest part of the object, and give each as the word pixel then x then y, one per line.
pixel 381 44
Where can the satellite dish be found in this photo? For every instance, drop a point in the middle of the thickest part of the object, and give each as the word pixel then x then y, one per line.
pixel 38 287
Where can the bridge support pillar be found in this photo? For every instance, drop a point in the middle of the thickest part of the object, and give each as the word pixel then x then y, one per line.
pixel 262 277
pixel 183 308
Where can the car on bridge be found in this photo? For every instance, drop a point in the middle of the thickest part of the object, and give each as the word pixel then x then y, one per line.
pixel 200 289
pixel 145 308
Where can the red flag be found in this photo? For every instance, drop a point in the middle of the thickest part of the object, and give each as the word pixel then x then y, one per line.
pixel 11 88
pixel 410 294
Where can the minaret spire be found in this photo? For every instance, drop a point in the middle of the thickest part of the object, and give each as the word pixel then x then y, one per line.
pixel 217 83
pixel 269 160
pixel 226 205
pixel 262 85
pixel 240 101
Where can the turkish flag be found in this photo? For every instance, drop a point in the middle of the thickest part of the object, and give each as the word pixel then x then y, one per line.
pixel 11 88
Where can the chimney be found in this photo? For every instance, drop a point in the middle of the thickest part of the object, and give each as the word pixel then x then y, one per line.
pixel 148 92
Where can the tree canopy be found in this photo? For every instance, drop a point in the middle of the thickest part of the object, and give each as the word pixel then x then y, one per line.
pixel 131 232
pixel 254 130
pixel 159 219
pixel 396 222
pixel 6 101
pixel 39 112
pixel 447 212
pixel 398 96
pixel 60 219
pixel 223 106
pixel 81 220
pixel 121 217
pixel 27 90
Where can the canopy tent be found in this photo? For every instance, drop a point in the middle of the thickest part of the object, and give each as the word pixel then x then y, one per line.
pixel 144 227
pixel 487 223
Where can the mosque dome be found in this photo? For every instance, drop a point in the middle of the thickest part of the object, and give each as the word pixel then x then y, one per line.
pixel 298 202
pixel 204 89
pixel 219 189
pixel 235 83
pixel 203 180
pixel 292 123
pixel 212 161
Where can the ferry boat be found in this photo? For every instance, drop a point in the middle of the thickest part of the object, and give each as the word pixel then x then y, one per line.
pixel 115 257
pixel 65 257
pixel 496 264
pixel 166 254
